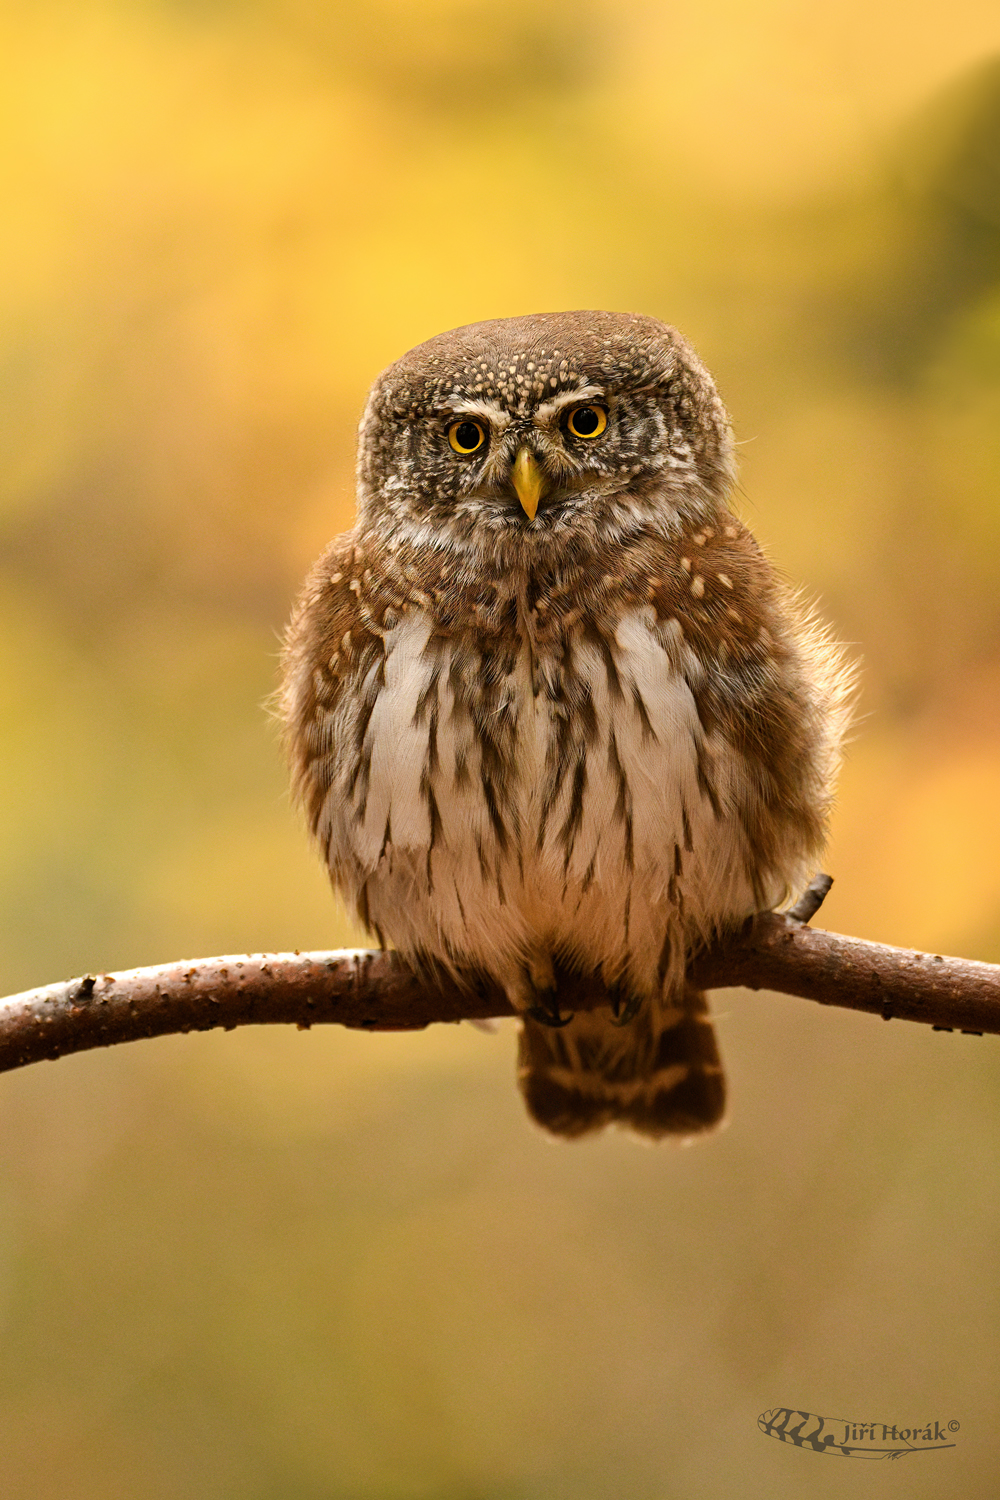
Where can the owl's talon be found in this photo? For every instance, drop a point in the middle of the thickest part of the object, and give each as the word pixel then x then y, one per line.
pixel 547 1016
pixel 621 1014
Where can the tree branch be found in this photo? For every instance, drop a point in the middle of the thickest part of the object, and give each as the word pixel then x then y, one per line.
pixel 376 992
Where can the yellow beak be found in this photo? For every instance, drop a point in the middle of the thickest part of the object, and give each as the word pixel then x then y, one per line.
pixel 527 478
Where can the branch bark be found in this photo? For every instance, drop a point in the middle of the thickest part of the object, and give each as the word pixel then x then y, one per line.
pixel 376 992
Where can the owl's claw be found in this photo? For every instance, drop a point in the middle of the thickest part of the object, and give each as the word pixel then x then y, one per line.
pixel 624 1012
pixel 548 1015
pixel 537 993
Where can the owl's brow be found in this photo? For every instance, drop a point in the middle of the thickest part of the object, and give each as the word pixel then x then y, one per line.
pixel 474 406
pixel 551 408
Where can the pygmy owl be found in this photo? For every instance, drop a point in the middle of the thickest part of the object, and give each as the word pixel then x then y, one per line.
pixel 550 712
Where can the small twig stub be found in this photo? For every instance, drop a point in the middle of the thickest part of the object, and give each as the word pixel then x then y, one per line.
pixel 812 899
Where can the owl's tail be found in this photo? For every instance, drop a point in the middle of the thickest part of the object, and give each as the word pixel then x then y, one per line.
pixel 659 1074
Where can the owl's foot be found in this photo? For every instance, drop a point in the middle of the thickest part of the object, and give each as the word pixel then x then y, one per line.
pixel 538 998
pixel 624 1008
pixel 549 1015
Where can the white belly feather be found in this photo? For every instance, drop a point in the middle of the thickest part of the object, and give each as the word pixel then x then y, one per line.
pixel 645 856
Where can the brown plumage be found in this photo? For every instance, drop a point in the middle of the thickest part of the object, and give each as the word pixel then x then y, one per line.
pixel 548 708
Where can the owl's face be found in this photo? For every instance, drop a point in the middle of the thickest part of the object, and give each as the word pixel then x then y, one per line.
pixel 529 429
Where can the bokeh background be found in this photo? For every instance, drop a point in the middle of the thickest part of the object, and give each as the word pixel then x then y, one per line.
pixel 323 1266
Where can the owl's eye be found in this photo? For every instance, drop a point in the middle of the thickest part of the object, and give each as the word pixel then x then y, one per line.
pixel 587 421
pixel 466 436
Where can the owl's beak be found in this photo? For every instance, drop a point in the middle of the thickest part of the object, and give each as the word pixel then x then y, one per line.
pixel 527 480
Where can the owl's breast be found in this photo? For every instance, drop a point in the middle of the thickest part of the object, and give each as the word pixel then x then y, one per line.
pixel 630 791
pixel 497 789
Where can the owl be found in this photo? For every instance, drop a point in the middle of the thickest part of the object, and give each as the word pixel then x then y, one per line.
pixel 550 713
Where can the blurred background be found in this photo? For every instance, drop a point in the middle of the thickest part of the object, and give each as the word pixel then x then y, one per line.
pixel 325 1266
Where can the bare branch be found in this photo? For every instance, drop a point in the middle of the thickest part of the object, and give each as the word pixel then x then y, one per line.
pixel 376 992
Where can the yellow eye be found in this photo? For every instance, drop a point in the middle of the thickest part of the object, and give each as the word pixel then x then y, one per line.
pixel 466 436
pixel 587 421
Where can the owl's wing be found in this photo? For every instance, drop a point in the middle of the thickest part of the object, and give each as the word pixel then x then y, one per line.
pixel 763 675
pixel 334 638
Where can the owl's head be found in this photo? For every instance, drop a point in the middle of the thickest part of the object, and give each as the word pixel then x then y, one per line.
pixel 531 429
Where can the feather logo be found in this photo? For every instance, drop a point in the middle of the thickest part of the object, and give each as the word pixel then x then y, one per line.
pixel 804 1429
